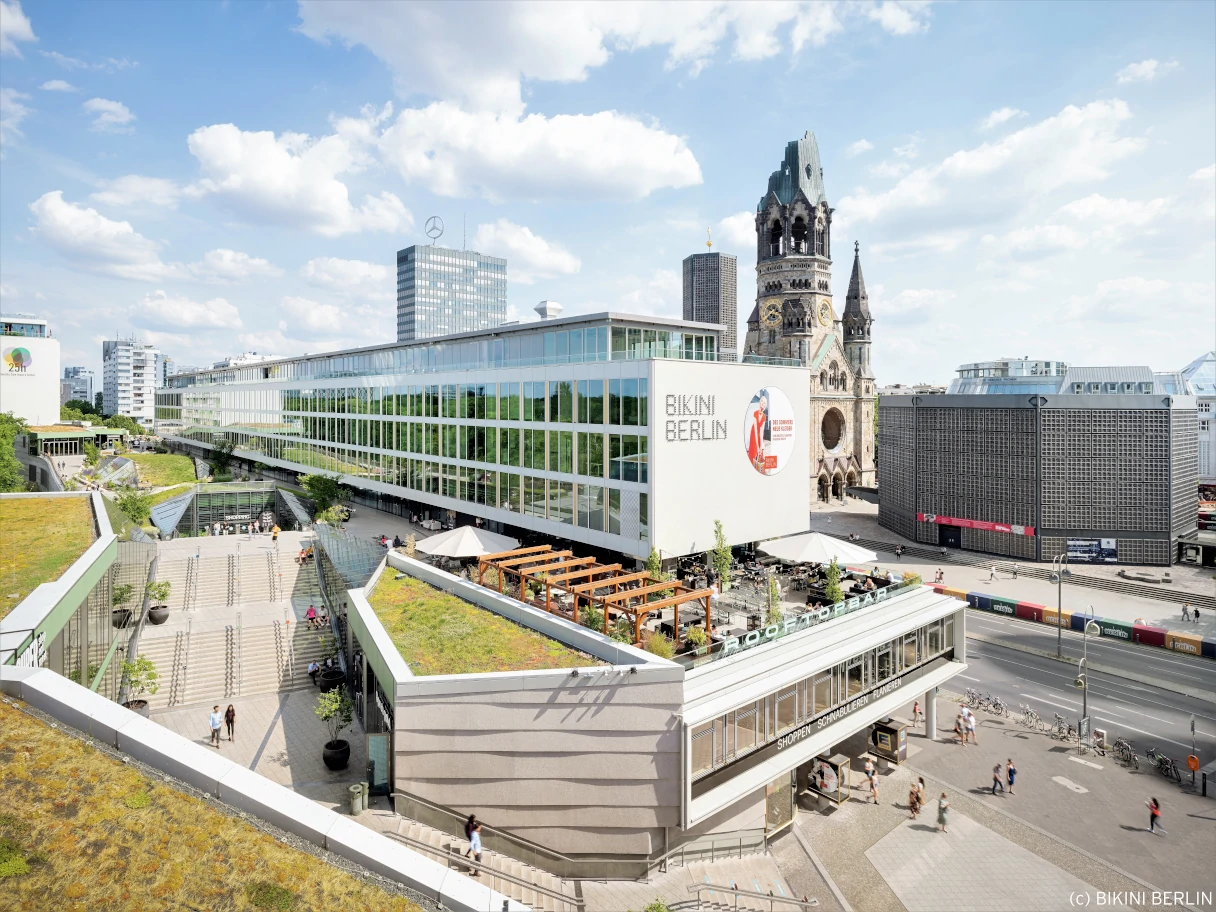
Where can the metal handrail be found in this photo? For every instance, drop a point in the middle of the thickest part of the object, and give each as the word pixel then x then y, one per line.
pixel 291 649
pixel 186 663
pixel 240 656
pixel 755 837
pixel 451 851
pixel 799 904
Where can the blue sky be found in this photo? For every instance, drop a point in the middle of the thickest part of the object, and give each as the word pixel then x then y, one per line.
pixel 1024 179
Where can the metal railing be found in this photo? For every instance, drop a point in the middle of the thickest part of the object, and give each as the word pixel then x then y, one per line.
pixel 774 902
pixel 240 655
pixel 185 667
pixel 734 844
pixel 451 854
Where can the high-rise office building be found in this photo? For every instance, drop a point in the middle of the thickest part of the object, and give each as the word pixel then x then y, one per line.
pixel 80 383
pixel 711 296
pixel 441 292
pixel 131 372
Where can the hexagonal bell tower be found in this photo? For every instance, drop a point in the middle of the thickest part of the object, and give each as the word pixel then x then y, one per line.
pixel 793 259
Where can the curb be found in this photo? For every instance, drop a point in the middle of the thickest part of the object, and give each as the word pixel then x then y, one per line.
pixel 1042 832
pixel 823 872
pixel 1206 695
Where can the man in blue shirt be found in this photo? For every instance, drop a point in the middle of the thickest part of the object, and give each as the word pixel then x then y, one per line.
pixel 216 721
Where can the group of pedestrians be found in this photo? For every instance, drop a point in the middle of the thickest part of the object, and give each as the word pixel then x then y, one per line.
pixel 1189 613
pixel 216 720
pixel 964 726
pixel 1000 777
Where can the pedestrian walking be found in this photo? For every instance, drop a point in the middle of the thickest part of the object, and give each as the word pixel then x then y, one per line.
pixel 943 811
pixel 230 720
pixel 992 573
pixel 214 721
pixel 969 719
pixel 1186 611
pixel 913 802
pixel 274 532
pixel 472 828
pixel 920 791
pixel 917 715
pixel 1154 815
pixel 1010 773
pixel 997 779
pixel 873 789
pixel 1015 571
pixel 959 727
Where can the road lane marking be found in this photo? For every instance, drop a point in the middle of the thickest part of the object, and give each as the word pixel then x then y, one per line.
pixel 1069 784
pixel 968 677
pixel 1142 731
pixel 1096 766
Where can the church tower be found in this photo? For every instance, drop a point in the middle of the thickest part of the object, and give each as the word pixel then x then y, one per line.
pixel 793 259
pixel 857 321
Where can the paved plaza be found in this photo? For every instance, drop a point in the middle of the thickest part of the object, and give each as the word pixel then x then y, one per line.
pixel 280 737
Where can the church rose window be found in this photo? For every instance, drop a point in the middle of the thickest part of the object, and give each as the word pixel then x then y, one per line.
pixel 832 429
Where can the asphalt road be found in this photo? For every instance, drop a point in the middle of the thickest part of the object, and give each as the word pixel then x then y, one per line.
pixel 1147 716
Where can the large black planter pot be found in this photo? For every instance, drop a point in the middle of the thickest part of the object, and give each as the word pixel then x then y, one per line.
pixel 120 617
pixel 138 706
pixel 336 754
pixel 158 615
pixel 329 678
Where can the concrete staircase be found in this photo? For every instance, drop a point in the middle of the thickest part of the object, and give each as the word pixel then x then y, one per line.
pixel 444 845
pixel 231 579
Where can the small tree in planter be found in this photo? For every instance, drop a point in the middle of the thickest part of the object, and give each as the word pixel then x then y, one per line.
pixel 158 592
pixel 120 616
pixel 138 678
pixel 337 711
pixel 695 638
pixel 832 591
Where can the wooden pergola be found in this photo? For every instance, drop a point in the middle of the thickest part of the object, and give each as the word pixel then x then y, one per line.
pixel 610 588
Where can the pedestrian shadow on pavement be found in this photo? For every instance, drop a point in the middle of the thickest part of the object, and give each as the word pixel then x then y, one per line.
pixel 1133 829
pixel 923 827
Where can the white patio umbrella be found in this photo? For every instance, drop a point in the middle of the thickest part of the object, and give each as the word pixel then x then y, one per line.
pixel 466 541
pixel 817 548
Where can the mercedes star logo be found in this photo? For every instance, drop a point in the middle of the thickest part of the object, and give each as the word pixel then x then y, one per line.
pixel 434 227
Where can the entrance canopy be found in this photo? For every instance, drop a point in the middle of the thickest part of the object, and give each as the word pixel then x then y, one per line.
pixel 466 541
pixel 817 548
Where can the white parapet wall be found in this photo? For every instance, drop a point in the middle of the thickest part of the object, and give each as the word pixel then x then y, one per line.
pixel 144 740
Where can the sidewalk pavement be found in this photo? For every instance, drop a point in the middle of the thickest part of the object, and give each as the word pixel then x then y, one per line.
pixel 862 518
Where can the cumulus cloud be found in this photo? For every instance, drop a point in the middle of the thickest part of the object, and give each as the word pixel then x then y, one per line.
pixel 910 307
pixel 1095 219
pixel 162 311
pixel 481 62
pixel 12 112
pixel 355 278
pixel 290 179
pixel 58 85
pixel 529 256
pixel 1206 177
pixel 1123 300
pixel 738 231
pixel 93 242
pixel 1144 71
pixel 135 189
pixel 14 27
pixel 661 294
pixel 1000 116
pixel 109 116
pixel 307 318
pixel 608 155
pixel 937 243
pixel 223 265
pixel 1078 145
pixel 108 64
pixel 862 145
pixel 889 169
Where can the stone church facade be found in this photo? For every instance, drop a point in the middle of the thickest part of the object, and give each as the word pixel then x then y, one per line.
pixel 795 320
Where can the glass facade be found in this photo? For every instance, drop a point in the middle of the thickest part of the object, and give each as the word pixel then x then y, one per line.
pixel 746 728
pixel 442 291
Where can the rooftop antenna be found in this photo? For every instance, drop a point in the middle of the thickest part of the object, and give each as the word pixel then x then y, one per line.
pixel 709 239
pixel 464 230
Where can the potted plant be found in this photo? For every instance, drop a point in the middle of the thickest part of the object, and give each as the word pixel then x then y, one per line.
pixel 138 678
pixel 120 616
pixel 330 676
pixel 336 710
pixel 158 593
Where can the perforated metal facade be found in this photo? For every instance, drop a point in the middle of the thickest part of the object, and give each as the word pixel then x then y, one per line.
pixel 1064 467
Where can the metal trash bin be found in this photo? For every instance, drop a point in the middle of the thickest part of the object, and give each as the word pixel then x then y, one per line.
pixel 365 794
pixel 356 800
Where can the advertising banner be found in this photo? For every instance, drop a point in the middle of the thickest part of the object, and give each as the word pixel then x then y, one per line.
pixel 769 421
pixel 1093 550
pixel 1008 528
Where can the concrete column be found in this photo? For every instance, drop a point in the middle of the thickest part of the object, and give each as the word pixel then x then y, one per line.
pixel 931 714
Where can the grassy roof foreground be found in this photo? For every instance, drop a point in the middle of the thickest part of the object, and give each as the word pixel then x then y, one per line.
pixel 159 469
pixel 78 825
pixel 438 633
pixel 42 537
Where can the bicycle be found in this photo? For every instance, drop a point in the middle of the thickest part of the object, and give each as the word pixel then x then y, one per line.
pixel 998 707
pixel 1165 766
pixel 973 696
pixel 1127 753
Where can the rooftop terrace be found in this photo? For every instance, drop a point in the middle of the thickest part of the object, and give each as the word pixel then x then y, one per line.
pixel 80 825
pixel 42 537
pixel 440 634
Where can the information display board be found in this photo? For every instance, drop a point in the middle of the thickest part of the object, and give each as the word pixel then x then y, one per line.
pixel 830 777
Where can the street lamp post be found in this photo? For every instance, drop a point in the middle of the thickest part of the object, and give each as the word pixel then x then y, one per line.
pixel 1082 673
pixel 1059 567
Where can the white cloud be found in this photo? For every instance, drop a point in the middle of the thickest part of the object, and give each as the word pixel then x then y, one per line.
pixel 862 145
pixel 598 156
pixel 905 17
pixel 738 231
pixel 58 85
pixel 135 189
pixel 110 116
pixel 912 306
pixel 311 318
pixel 908 149
pixel 14 27
pixel 1144 71
pixel 659 295
pixel 290 179
pixel 108 64
pixel 1125 300
pixel 93 242
pixel 1207 176
pixel 889 169
pixel 440 52
pixel 1078 145
pixel 529 256
pixel 159 310
pixel 12 112
pixel 945 242
pixel 1000 116
pixel 225 265
pixel 373 281
pixel 1095 219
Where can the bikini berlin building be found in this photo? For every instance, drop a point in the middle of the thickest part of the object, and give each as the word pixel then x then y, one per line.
pixel 620 432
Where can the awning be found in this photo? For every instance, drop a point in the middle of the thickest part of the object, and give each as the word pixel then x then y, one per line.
pixel 817 548
pixel 466 541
